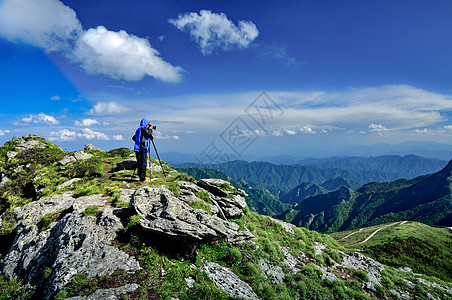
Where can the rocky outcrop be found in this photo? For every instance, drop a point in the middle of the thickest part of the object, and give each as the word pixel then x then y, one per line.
pixel 3 179
pixel 109 294
pixel 231 202
pixel 227 281
pixel 358 261
pixel 72 244
pixel 92 147
pixel 76 156
pixel 165 214
pixel 67 183
pixel 30 141
pixel 275 273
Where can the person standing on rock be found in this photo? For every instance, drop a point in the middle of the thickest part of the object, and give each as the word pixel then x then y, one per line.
pixel 142 137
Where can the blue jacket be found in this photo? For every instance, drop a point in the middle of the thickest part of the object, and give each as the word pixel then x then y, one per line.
pixel 142 136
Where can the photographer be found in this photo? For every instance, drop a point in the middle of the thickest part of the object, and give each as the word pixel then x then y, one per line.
pixel 142 137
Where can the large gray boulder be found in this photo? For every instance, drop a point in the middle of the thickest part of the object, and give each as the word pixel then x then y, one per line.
pixel 3 179
pixel 76 156
pixel 109 294
pixel 92 147
pixel 72 244
pixel 213 185
pixel 231 203
pixel 227 281
pixel 357 261
pixel 165 214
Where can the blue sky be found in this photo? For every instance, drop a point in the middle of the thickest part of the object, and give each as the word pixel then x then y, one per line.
pixel 332 73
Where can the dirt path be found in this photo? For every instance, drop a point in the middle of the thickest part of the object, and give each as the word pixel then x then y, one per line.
pixel 348 235
pixel 375 232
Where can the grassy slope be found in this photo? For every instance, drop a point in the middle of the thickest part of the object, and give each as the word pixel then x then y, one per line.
pixel 425 249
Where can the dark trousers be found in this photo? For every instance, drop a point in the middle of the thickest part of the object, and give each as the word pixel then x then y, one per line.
pixel 142 159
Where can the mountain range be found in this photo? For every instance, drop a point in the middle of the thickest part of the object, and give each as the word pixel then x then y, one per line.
pixel 280 179
pixel 426 199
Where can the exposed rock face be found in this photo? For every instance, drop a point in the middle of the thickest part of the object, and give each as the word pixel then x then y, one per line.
pixel 3 179
pixel 213 186
pixel 188 191
pixel 109 294
pixel 92 147
pixel 77 155
pixel 231 204
pixel 274 272
pixel 165 214
pixel 73 244
pixel 230 283
pixel 358 261
pixel 29 141
pixel 67 183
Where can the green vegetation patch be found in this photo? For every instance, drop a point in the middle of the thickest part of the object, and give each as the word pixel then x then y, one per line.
pixel 204 195
pixel 199 204
pixel 92 210
pixel 424 249
pixel 14 289
pixel 52 217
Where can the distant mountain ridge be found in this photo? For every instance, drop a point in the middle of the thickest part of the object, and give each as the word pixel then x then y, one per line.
pixel 426 199
pixel 281 179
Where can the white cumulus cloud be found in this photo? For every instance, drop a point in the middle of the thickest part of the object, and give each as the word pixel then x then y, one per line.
pixel 121 56
pixel 63 135
pixel 85 133
pixel 92 135
pixel 40 119
pixel 107 108
pixel 214 31
pixel 118 137
pixel 2 132
pixel 48 24
pixel 86 123
pixel 54 27
pixel 55 98
pixel 377 127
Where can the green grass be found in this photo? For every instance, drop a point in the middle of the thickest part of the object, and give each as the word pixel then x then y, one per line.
pixel 199 204
pixel 424 249
pixel 52 217
pixel 92 211
pixel 14 289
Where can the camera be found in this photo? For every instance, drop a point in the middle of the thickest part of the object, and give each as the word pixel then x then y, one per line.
pixel 152 126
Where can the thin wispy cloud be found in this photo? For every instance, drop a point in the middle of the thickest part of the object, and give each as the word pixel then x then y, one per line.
pixel 214 31
pixel 373 110
pixel 278 53
pixel 54 27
